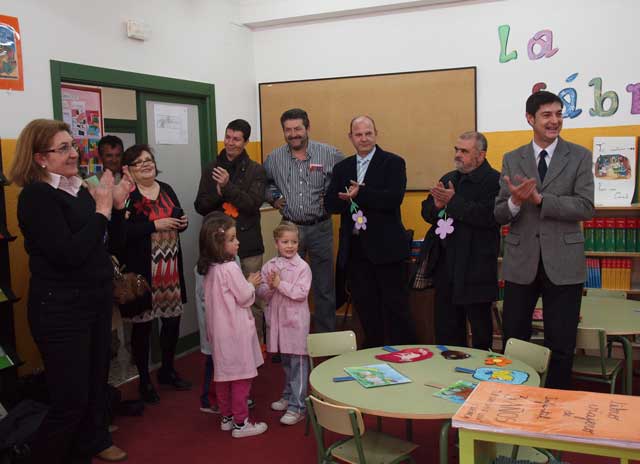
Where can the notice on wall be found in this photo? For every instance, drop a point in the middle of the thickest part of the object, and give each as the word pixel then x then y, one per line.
pixel 171 123
pixel 82 110
pixel 614 170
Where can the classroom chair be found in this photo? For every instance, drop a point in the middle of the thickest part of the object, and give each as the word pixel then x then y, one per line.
pixel 600 368
pixel 537 357
pixel 605 293
pixel 363 446
pixel 330 344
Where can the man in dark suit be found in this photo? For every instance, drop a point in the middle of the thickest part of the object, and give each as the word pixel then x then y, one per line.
pixel 372 253
pixel 545 191
pixel 466 267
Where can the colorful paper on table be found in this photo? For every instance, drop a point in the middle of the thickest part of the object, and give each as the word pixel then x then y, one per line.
pixel 406 355
pixel 376 375
pixel 491 374
pixel 457 392
pixel 497 361
pixel 586 417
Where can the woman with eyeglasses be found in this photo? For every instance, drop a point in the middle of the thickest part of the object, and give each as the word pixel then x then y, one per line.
pixel 69 230
pixel 154 221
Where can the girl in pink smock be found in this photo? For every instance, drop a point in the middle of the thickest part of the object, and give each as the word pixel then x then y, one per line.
pixel 285 287
pixel 231 329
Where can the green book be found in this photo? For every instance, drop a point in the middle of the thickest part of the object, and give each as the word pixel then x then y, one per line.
pixel 376 375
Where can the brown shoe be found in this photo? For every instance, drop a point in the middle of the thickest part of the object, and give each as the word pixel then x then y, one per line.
pixel 112 454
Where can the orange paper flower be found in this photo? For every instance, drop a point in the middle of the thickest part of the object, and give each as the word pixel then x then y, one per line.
pixel 230 210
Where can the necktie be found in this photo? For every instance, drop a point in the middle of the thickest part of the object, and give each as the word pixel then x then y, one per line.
pixel 362 166
pixel 542 165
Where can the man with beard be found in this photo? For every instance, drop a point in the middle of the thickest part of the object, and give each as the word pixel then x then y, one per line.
pixel 466 262
pixel 545 191
pixel 298 174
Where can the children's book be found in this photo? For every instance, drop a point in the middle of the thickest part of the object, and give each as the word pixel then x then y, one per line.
pixel 376 375
pixel 586 417
pixel 457 392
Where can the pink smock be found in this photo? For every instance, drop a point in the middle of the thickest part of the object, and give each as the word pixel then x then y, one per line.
pixel 287 313
pixel 230 325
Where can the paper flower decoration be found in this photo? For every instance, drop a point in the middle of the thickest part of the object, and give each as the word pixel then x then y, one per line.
pixel 360 220
pixel 229 209
pixel 445 227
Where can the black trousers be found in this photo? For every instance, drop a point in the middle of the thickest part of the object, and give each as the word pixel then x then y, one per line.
pixel 380 295
pixel 140 345
pixel 72 328
pixel 451 320
pixel 561 315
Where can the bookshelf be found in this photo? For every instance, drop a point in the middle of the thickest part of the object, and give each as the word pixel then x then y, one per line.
pixel 603 253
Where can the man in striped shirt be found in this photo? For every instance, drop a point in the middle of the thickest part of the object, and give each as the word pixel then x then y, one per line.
pixel 298 174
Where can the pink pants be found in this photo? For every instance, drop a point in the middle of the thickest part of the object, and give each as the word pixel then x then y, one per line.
pixel 232 398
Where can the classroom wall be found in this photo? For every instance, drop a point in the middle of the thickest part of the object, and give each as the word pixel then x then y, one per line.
pixel 193 40
pixel 593 39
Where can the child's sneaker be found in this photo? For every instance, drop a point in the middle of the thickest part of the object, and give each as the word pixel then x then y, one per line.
pixel 280 405
pixel 210 409
pixel 248 429
pixel 291 418
pixel 226 423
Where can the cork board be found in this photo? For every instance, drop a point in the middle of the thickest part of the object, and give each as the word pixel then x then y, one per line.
pixel 419 115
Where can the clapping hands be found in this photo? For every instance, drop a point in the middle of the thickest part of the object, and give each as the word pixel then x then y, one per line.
pixel 273 280
pixel 525 191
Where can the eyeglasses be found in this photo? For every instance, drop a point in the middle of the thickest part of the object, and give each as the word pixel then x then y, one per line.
pixel 64 149
pixel 139 163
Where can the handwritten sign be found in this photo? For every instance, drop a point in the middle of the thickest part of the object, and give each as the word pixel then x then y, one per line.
pixel 557 414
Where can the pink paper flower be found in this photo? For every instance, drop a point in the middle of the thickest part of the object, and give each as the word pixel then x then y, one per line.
pixel 360 220
pixel 445 227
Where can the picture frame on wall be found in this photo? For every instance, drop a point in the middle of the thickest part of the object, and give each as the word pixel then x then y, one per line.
pixel 11 74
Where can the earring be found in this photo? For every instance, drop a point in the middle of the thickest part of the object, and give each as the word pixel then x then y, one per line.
pixel 44 166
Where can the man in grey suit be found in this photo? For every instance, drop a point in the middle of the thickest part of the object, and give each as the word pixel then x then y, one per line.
pixel 546 189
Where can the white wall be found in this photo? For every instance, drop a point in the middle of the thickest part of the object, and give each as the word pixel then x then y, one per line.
pixel 595 39
pixel 190 39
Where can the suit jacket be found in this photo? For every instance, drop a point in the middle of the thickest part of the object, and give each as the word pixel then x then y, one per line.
pixel 468 258
pixel 551 231
pixel 385 239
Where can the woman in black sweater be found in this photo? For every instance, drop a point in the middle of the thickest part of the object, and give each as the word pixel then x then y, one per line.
pixel 65 228
pixel 154 220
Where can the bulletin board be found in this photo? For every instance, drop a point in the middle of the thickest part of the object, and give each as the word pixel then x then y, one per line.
pixel 419 115
pixel 82 110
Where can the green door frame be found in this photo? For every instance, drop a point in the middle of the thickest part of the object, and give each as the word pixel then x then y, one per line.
pixel 91 75
pixel 129 126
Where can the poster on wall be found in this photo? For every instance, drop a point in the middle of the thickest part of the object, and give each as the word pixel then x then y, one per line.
pixel 82 110
pixel 614 170
pixel 11 76
pixel 172 124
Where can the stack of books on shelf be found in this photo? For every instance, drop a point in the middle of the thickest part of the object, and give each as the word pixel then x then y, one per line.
pixel 609 273
pixel 611 234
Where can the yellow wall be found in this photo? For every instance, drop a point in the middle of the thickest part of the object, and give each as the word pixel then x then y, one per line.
pixel 499 143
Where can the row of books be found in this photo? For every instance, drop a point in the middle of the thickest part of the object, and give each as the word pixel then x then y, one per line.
pixel 612 234
pixel 610 273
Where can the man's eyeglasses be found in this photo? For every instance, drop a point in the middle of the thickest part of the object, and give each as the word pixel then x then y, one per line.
pixel 64 149
pixel 139 163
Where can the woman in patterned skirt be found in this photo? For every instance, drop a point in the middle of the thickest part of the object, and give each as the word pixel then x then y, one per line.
pixel 154 221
